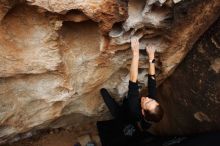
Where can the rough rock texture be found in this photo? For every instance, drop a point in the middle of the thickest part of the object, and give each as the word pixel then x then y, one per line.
pixel 56 55
pixel 28 43
pixel 106 12
pixel 191 96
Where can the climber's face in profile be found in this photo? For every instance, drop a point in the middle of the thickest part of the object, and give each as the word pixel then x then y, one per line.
pixel 149 104
pixel 151 109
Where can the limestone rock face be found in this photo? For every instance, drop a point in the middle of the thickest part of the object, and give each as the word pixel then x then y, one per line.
pixel 28 43
pixel 106 12
pixel 55 55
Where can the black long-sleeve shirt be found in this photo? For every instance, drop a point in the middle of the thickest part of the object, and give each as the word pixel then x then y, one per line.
pixel 133 100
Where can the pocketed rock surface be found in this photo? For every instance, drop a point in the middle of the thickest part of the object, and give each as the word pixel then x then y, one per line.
pixel 56 55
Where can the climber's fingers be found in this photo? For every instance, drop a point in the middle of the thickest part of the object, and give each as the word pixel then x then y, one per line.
pixel 150 48
pixel 134 43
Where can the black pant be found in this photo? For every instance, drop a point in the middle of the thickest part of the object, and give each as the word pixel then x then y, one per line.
pixel 120 131
pixel 116 110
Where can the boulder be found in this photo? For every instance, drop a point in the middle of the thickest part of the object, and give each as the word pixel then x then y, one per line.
pixel 191 95
pixel 55 55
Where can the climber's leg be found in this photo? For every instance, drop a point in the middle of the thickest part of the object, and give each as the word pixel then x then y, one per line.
pixel 112 105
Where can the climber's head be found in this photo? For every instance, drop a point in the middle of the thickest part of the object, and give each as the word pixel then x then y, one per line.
pixel 151 109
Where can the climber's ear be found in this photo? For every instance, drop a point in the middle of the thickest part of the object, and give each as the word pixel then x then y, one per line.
pixel 142 111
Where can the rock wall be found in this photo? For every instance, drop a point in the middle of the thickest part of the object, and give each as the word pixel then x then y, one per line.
pixel 191 95
pixel 56 55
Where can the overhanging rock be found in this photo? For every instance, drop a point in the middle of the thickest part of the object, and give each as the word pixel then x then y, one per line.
pixel 55 55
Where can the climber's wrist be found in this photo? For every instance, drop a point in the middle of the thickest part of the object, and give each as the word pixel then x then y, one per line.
pixel 152 60
pixel 135 53
pixel 151 56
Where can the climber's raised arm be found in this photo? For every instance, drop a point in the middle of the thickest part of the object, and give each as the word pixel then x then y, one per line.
pixel 135 59
pixel 151 71
pixel 133 92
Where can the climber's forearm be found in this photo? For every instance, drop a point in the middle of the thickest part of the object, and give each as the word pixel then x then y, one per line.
pixel 135 59
pixel 151 70
pixel 134 67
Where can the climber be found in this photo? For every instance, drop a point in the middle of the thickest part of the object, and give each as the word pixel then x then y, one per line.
pixel 146 109
pixel 136 115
